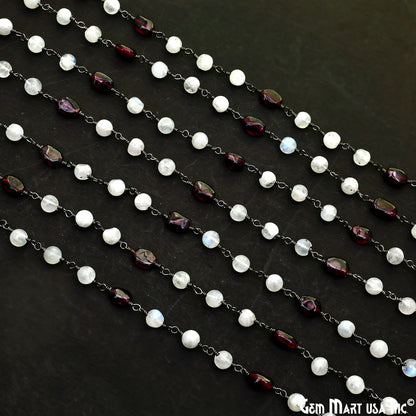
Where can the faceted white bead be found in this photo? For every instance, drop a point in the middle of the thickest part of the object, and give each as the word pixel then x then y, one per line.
pixel 319 164
pixel 220 103
pixel 143 202
pixel 111 6
pixel 166 125
pixel 302 120
pixel 361 157
pixel 135 147
pixel 116 187
pixel 238 213
pixel 52 255
pixel 86 275
pixel 355 384
pixel 111 236
pixel 390 406
pixel 82 171
pixel 63 17
pixel 288 145
pixel 191 85
pixel 296 402
pixel 204 62
pixel 223 360
pixel 210 239
pixel 237 77
pixel 135 105
pixel 395 255
pixel 214 298
pixel 166 167
pixel 199 140
pixel 190 339
pixel 246 318
pixel 407 306
pixel 33 86
pixel 299 193
pixel 332 140
pixel 31 4
pixel 35 44
pixel 409 367
pixel 92 34
pixel 18 237
pixel 270 230
pixel 6 26
pixel 241 263
pixel 319 366
pixel 267 179
pixel 349 186
pixel 174 44
pixel 5 69
pixel 104 128
pixel 49 203
pixel 302 247
pixel 155 318
pixel 379 348
pixel 374 286
pixel 328 213
pixel 14 132
pixel 181 279
pixel 84 218
pixel 346 329
pixel 67 62
pixel 159 70
pixel 274 282
pixel 413 231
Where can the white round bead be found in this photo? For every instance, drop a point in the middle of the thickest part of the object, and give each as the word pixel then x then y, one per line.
pixel 135 147
pixel 174 44
pixel 49 203
pixel 241 263
pixel 355 384
pixel 409 367
pixel 270 230
pixel 299 193
pixel 191 85
pixel 155 318
pixel 267 179
pixel 346 329
pixel 135 105
pixel 332 140
pixel 86 275
pixel 319 164
pixel 204 62
pixel 390 406
pixel 166 167
pixel 361 157
pixel 67 62
pixel 199 140
pixel 33 86
pixel 210 239
pixel 379 348
pixel 274 282
pixel 349 186
pixel 190 339
pixel 92 34
pixel 111 6
pixel 52 255
pixel 237 77
pixel 296 402
pixel 407 306
pixel 238 213
pixel 116 187
pixel 302 120
pixel 111 236
pixel 374 286
pixel 220 103
pixel 84 218
pixel 14 132
pixel 319 366
pixel 31 4
pixel 35 44
pixel 181 279
pixel 328 213
pixel 246 318
pixel 214 298
pixel 395 255
pixel 302 247
pixel 223 360
pixel 63 17
pixel 82 171
pixel 166 125
pixel 104 128
pixel 18 237
pixel 143 202
pixel 5 69
pixel 6 26
pixel 288 145
pixel 159 70
pixel 413 231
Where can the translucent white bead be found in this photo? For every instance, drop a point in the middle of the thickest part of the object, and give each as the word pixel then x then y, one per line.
pixel 374 286
pixel 204 62
pixel 181 280
pixel 159 70
pixel 166 167
pixel 270 230
pixel 116 187
pixel 346 329
pixel 52 255
pixel 413 231
pixel 319 164
pixel 190 339
pixel 379 348
pixel 5 69
pixel 86 275
pixel 223 360
pixel 409 368
pixel 355 384
pixel 18 237
pixel 246 318
pixel 135 105
pixel 82 171
pixel 143 202
pixel 288 145
pixel 296 402
pixel 6 26
pixel 210 239
pixel 302 120
pixel 111 236
pixel 84 218
pixel 111 6
pixel 237 77
pixel 191 85
pixel 67 62
pixel 14 132
pixel 35 44
pixel 328 213
pixel 299 193
pixel 274 282
pixel 332 140
pixel 267 179
pixel 154 318
pixel 407 306
pixel 395 255
pixel 63 17
pixel 135 147
pixel 166 125
pixel 238 213
pixel 104 128
pixel 199 140
pixel 92 34
pixel 349 186
pixel 390 406
pixel 214 298
pixel 361 157
pixel 302 247
pixel 220 103
pixel 49 203
pixel 33 86
pixel 319 366
pixel 31 4
pixel 173 44
pixel 241 263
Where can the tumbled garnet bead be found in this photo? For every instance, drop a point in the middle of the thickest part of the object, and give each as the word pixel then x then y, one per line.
pixel 51 156
pixel 253 126
pixel 395 176
pixel 361 235
pixel 336 266
pixel 285 340
pixel 144 258
pixel 68 107
pixel 102 82
pixel 12 185
pixel 125 52
pixel 234 162
pixel 260 382
pixel 310 306
pixel 384 209
pixel 177 222
pixel 270 98
pixel 203 192
pixel 143 26
pixel 120 297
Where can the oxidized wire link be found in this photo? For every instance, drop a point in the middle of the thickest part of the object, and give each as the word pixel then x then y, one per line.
pixel 231 307
pixel 133 191
pixel 70 264
pixel 217 150
pixel 88 119
pixel 36 245
pixel 124 246
pixel 173 329
pixel 329 318
pixel 287 240
pixel 282 185
pixel 48 96
pixel 32 194
pixel 177 77
pixel 372 394
pixel 316 202
pixel 22 36
pixel 126 15
pixel 290 293
pixel 219 69
pixel 183 178
pixel 345 223
pixel 361 340
pixel 356 276
pixel 318 256
pixel 52 52
pixel 235 113
pixel 257 223
pixel 79 23
pixel 160 35
pixel 395 359
pixel 18 75
pixel 108 42
pixel 208 349
pixel 120 94
pixel 316 127
pixel 280 392
pixel 378 166
pixel 98 225
pixel 102 287
pixel 264 326
pixel 338 373
pixel 404 219
pixel 197 290
pixel 221 203
pixel 303 152
pixel 305 353
pixel 253 168
pixel 165 271
pixel 225 252
pixel 346 146
pixel 5 225
pixel 185 133
pixel 155 212
pixel 240 369
pixel 196 230
pixel 68 213
pixel 412 182
pixel 120 137
pixel 205 93
pixel 47 7
pixel 410 263
pixel 150 115
pixel 378 246
pixel 136 307
pixel 390 295
pixel 335 175
pixel 250 87
pixel 365 197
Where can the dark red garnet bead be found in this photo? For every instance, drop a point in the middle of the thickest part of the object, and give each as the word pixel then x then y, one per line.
pixel 68 107
pixel 177 222
pixel 51 156
pixel 253 126
pixel 143 26
pixel 260 382
pixel 12 185
pixel 337 267
pixel 270 98
pixel 395 177
pixel 120 297
pixel 102 82
pixel 310 306
pixel 125 52
pixel 384 209
pixel 144 259
pixel 234 162
pixel 203 192
pixel 285 340
pixel 361 235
